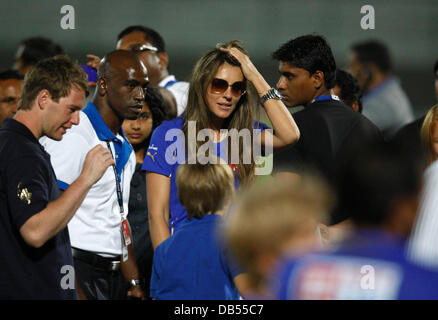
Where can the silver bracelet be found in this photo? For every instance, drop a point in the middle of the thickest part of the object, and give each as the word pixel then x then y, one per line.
pixel 134 282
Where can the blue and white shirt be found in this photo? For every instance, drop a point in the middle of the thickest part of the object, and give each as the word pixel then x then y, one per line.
pixel 96 225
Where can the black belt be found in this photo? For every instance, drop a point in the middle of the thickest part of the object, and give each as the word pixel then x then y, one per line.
pixel 108 264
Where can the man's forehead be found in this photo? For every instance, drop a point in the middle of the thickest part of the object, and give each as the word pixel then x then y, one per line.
pixel 136 37
pixel 10 86
pixel 10 83
pixel 286 66
pixel 129 70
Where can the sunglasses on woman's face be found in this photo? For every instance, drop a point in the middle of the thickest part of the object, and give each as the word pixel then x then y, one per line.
pixel 220 86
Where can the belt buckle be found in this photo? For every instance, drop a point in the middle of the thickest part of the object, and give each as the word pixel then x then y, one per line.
pixel 115 265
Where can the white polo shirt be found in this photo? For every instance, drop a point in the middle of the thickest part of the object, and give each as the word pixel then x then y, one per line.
pixel 96 225
pixel 179 89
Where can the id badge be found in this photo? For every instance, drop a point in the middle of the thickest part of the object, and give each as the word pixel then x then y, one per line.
pixel 126 232
pixel 126 239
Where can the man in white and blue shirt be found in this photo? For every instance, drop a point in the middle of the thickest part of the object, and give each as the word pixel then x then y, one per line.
pixel 95 230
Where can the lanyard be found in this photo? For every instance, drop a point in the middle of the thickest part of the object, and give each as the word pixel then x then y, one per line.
pixel 325 98
pixel 118 188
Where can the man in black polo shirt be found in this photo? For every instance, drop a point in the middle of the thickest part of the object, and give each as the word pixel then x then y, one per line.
pixel 35 250
pixel 329 129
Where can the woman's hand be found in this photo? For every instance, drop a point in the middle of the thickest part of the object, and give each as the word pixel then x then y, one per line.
pixel 249 70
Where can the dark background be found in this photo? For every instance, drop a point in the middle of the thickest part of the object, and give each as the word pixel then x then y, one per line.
pixel 190 27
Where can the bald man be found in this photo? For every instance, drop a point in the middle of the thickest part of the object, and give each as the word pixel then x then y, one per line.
pixel 100 236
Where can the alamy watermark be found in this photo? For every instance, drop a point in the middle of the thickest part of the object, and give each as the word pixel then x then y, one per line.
pixel 368 278
pixel 368 21
pixel 251 147
pixel 68 20
pixel 68 280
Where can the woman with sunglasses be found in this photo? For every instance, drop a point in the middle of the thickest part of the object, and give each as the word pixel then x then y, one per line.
pixel 218 99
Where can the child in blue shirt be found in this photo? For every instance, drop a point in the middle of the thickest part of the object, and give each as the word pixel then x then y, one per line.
pixel 379 186
pixel 192 264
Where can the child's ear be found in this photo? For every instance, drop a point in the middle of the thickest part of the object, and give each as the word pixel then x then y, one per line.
pixel 318 79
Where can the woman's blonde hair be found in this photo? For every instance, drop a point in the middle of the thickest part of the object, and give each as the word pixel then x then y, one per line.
pixel 426 141
pixel 197 107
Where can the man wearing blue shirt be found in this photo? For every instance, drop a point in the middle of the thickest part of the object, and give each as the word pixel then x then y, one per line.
pixel 384 101
pixel 96 231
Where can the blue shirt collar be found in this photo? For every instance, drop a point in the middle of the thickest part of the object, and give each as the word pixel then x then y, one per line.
pixel 326 98
pixel 208 218
pixel 102 130
pixel 122 149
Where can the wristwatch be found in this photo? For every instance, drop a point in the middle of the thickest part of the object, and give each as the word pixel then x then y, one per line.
pixel 271 94
pixel 134 282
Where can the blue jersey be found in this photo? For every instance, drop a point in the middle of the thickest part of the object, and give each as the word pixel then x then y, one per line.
pixel 164 156
pixel 193 265
pixel 370 265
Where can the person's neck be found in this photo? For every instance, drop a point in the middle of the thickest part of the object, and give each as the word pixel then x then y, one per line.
pixel 319 92
pixel 140 152
pixel 163 74
pixel 112 121
pixel 31 120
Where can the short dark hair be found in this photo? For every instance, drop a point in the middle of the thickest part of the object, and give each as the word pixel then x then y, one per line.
pixel 350 89
pixel 57 75
pixel 374 51
pixel 39 48
pixel 309 52
pixel 435 69
pixel 155 102
pixel 10 74
pixel 153 36
pixel 373 179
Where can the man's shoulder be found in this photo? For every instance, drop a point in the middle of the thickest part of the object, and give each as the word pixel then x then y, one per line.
pixel 14 145
pixel 322 112
pixel 323 108
pixel 335 111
